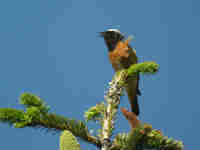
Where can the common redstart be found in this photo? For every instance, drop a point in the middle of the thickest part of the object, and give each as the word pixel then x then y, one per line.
pixel 122 56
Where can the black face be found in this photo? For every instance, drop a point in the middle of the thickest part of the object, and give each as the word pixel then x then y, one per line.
pixel 112 38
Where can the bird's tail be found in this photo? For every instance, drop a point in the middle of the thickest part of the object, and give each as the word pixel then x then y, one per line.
pixel 135 106
pixel 133 93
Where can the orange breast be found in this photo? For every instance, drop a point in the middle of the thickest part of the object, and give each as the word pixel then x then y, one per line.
pixel 123 56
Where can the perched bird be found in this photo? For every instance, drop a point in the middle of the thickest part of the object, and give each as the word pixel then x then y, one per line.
pixel 122 56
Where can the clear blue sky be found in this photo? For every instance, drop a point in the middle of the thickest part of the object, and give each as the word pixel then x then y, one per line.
pixel 51 48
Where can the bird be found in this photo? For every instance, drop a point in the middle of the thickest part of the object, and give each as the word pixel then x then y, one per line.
pixel 122 56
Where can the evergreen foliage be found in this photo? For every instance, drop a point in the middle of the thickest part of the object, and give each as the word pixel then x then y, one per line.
pixel 36 114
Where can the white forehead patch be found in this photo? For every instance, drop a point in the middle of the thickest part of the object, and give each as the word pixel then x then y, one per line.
pixel 115 30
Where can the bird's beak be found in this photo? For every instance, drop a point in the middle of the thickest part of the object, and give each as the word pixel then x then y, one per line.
pixel 101 34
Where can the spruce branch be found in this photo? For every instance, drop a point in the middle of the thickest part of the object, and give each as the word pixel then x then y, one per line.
pixel 30 100
pixel 144 68
pixel 114 93
pixel 144 137
pixel 11 116
pixel 34 116
pixel 95 113
pixel 112 98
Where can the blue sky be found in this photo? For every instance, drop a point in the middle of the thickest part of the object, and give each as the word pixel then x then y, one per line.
pixel 52 49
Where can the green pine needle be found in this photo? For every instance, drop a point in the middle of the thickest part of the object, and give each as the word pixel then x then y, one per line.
pixel 10 115
pixel 145 137
pixel 145 68
pixel 29 100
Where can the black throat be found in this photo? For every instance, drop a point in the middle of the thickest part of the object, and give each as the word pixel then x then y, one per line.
pixel 111 44
pixel 112 38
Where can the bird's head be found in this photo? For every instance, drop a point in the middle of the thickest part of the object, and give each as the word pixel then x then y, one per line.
pixel 112 37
